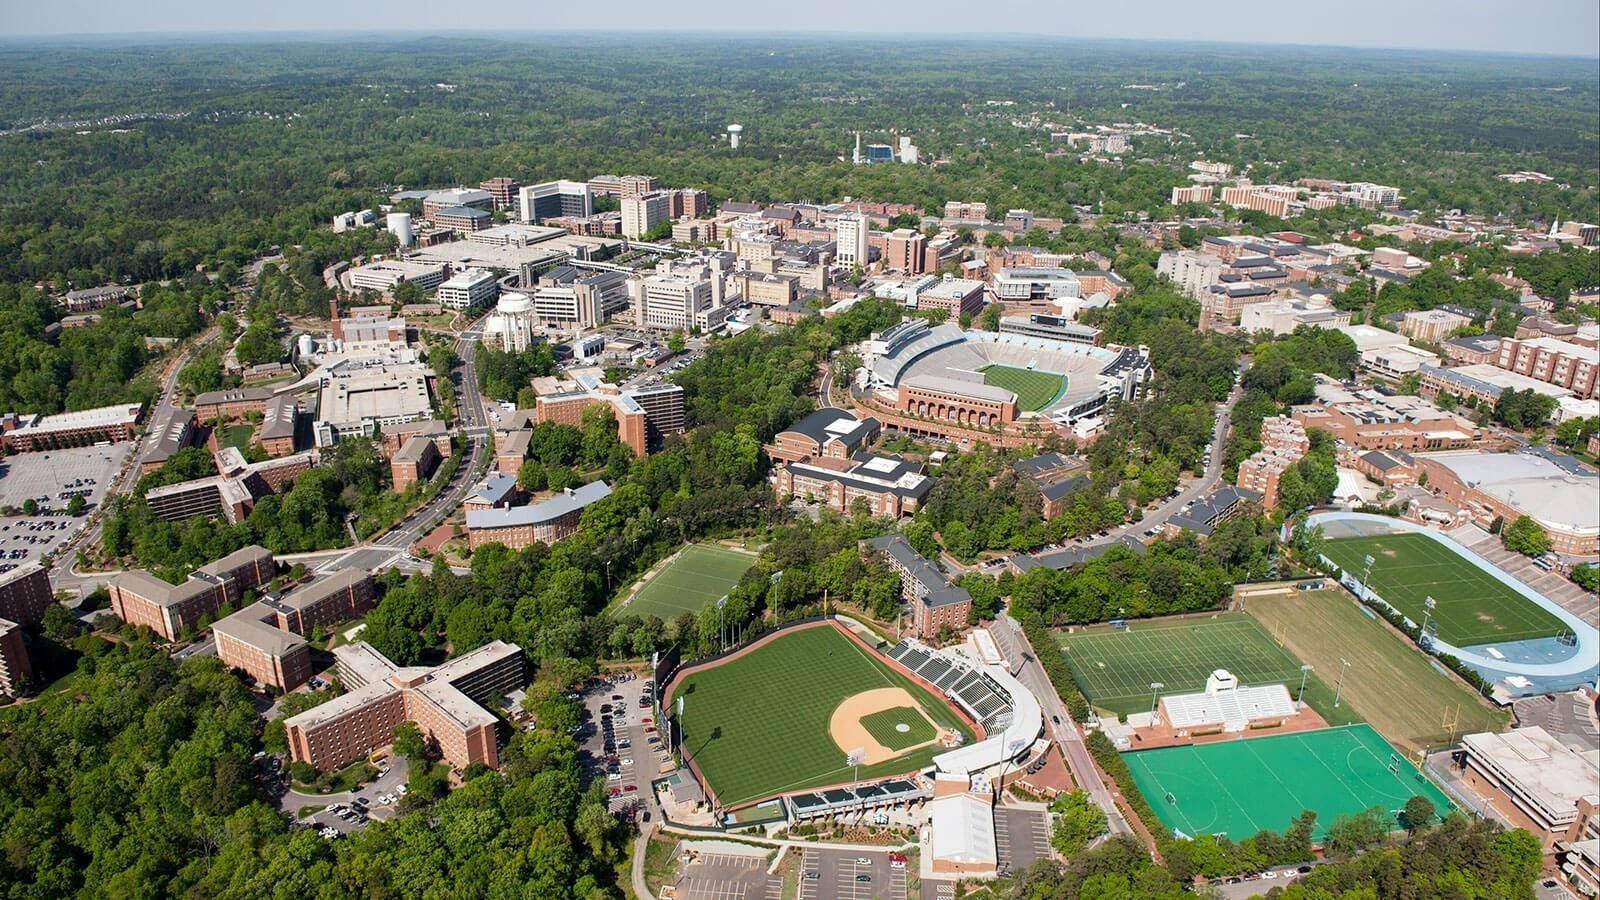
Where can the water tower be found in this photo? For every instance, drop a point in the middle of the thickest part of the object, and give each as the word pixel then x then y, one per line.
pixel 733 135
pixel 399 225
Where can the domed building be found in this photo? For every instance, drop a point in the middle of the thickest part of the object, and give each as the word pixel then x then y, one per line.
pixel 514 319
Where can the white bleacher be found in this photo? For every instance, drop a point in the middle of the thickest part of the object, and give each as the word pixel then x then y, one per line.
pixel 1223 703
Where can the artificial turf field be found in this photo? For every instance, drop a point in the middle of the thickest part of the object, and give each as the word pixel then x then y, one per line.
pixel 1396 687
pixel 1115 668
pixel 757 724
pixel 883 726
pixel 1471 607
pixel 1035 390
pixel 699 574
pixel 1239 787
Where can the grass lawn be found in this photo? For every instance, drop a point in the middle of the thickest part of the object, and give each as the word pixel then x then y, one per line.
pixel 343 780
pixel 1115 669
pixel 659 861
pixel 757 725
pixel 1471 607
pixel 699 574
pixel 1395 685
pixel 1239 787
pixel 1034 390
pixel 235 435
pixel 884 726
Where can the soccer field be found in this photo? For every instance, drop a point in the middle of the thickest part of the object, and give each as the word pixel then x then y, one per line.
pixel 1470 606
pixel 1241 786
pixel 758 724
pixel 699 574
pixel 1115 669
pixel 1034 389
pixel 1393 684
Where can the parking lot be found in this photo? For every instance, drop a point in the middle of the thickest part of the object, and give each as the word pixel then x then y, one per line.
pixel 850 875
pixel 1021 837
pixel 50 479
pixel 727 876
pixel 619 743
pixel 339 813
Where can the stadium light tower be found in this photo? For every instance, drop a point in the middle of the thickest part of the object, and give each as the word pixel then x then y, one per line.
pixel 1297 697
pixel 722 643
pixel 1366 575
pixel 1343 664
pixel 1154 686
pixel 1428 604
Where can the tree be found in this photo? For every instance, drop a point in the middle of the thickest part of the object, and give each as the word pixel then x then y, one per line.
pixel 30 507
pixel 76 505
pixel 1417 813
pixel 1077 822
pixel 408 741
pixel 991 317
pixel 1526 537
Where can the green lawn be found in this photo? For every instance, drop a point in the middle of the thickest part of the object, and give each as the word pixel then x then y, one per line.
pixel 235 435
pixel 699 574
pixel 885 727
pixel 1239 787
pixel 1034 390
pixel 1115 668
pixel 757 725
pixel 1398 689
pixel 1471 607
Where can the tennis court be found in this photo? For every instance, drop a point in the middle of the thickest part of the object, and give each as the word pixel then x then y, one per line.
pixel 1115 668
pixel 1240 787
pixel 699 574
pixel 1471 606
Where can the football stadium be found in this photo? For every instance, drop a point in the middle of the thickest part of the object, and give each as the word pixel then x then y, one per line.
pixel 959 385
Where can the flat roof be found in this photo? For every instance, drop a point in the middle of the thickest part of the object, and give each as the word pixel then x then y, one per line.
pixel 1552 494
pixel 1548 771
pixel 99 417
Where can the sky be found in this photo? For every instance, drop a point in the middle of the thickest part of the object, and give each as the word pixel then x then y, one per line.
pixel 1562 27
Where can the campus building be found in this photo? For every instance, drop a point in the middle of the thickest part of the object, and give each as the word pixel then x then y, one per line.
pixel 1556 492
pixel 139 598
pixel 249 642
pixel 414 462
pixel 170 431
pixel 83 428
pixel 16 669
pixel 1535 781
pixel 1283 443
pixel 1562 363
pixel 25 593
pixel 446 703
pixel 545 523
pixel 935 602
pixel 1367 419
pixel 233 403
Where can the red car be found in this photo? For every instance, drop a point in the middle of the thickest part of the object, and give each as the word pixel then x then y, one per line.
pixel 629 788
pixel 612 792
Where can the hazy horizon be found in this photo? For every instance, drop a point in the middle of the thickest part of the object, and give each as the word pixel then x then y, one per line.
pixel 1566 28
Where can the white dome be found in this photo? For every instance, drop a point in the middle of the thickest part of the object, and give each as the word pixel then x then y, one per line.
pixel 512 303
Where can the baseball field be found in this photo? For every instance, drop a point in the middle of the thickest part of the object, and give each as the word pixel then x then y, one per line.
pixel 1471 607
pixel 782 716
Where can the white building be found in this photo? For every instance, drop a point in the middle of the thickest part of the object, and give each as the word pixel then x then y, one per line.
pixel 1193 272
pixel 386 274
pixel 550 199
pixel 1035 284
pixel 515 320
pixel 851 240
pixel 644 212
pixel 468 288
pixel 669 302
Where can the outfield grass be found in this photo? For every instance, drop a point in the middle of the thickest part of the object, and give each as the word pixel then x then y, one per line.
pixel 1115 668
pixel 1239 787
pixel 1393 684
pixel 757 725
pixel 884 724
pixel 1034 389
pixel 698 575
pixel 1471 607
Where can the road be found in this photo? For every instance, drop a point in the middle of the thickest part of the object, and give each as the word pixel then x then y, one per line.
pixel 1025 666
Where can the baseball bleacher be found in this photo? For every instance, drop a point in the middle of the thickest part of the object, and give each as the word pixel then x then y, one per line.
pixel 973 690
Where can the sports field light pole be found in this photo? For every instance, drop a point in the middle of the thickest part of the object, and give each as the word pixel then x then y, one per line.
pixel 1366 576
pixel 1427 613
pixel 1154 686
pixel 1343 664
pixel 722 642
pixel 1298 698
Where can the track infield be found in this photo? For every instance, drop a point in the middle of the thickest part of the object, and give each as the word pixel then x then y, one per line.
pixel 1034 389
pixel 699 574
pixel 1470 606
pixel 1396 687
pixel 758 724
pixel 1242 786
pixel 1115 668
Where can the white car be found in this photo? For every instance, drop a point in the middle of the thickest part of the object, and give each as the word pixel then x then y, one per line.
pixel 613 776
pixel 863 861
pixel 626 763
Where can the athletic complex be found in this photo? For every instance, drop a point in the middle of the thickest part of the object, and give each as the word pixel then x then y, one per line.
pixel 959 385
pixel 1521 641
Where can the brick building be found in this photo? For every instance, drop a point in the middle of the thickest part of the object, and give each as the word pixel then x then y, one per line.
pixel 249 641
pixel 81 428
pixel 16 669
pixel 935 602
pixel 1562 363
pixel 232 403
pixel 545 523
pixel 25 593
pixel 415 461
pixel 139 598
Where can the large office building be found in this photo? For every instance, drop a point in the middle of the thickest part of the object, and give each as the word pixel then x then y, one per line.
pixel 543 523
pixel 503 191
pixel 468 288
pixel 139 598
pixel 642 212
pixel 554 199
pixel 385 275
pixel 1535 781
pixel 1556 492
pixel 851 240
pixel 568 298
pixel 674 302
pixel 903 250
pixel 82 428
pixel 446 703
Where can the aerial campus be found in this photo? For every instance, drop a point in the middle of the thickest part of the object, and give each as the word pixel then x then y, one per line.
pixel 798 471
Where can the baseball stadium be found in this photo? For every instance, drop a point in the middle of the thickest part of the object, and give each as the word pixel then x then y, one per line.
pixel 958 385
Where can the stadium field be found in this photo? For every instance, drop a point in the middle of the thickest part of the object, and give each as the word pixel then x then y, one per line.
pixel 1241 786
pixel 1471 607
pixel 699 574
pixel 757 724
pixel 1400 691
pixel 1115 668
pixel 886 725
pixel 1034 389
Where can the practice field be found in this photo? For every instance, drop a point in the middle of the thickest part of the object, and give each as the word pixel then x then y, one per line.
pixel 1115 668
pixel 1392 683
pixel 699 574
pixel 899 727
pixel 1035 390
pixel 1470 606
pixel 1239 787
pixel 758 724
